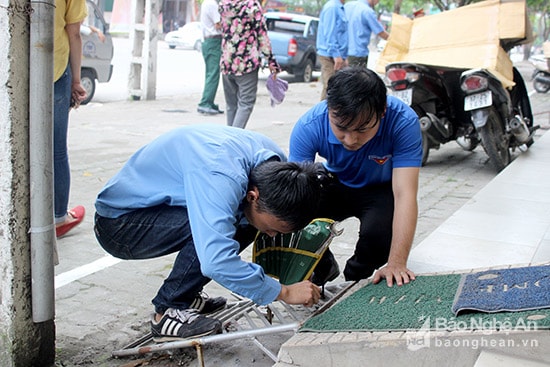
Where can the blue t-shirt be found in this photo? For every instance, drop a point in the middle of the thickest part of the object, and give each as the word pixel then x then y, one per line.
pixel 204 168
pixel 332 33
pixel 397 143
pixel 362 23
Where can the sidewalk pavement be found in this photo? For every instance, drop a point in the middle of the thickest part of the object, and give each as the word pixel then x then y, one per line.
pixel 103 303
pixel 506 224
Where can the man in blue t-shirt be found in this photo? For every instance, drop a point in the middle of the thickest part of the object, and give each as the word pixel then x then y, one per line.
pixel 203 191
pixel 332 40
pixel 362 24
pixel 372 145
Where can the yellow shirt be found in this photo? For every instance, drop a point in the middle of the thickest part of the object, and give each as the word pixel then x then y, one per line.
pixel 66 12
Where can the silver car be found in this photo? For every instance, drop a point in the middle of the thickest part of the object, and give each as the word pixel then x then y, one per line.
pixel 97 51
pixel 187 37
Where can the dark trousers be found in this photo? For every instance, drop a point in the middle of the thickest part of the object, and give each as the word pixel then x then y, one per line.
pixel 359 61
pixel 211 53
pixel 161 230
pixel 373 206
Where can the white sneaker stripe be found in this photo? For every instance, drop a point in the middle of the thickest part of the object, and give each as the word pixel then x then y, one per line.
pixel 198 303
pixel 169 326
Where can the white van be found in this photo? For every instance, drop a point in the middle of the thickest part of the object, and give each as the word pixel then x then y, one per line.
pixel 96 54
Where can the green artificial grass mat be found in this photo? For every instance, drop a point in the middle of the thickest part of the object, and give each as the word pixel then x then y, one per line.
pixel 422 304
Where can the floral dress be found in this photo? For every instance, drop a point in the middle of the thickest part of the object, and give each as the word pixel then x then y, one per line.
pixel 245 37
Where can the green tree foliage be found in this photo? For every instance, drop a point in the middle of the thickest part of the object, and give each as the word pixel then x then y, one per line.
pixel 538 10
pixel 539 14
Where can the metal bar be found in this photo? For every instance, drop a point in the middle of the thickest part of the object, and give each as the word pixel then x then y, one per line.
pixel 261 316
pixel 264 349
pixel 207 340
pixel 43 254
pixel 290 310
pixel 278 313
pixel 200 355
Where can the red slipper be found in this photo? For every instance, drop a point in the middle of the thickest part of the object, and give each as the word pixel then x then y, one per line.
pixel 77 213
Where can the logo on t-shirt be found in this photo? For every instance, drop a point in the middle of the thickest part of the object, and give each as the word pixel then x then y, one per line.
pixel 380 160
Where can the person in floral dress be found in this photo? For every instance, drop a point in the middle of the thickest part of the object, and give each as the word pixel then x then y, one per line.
pixel 244 41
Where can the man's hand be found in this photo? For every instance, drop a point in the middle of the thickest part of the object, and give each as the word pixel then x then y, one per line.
pixel 304 293
pixel 339 63
pixel 401 274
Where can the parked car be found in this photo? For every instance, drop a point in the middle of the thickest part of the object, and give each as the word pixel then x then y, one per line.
pixel 97 51
pixel 188 37
pixel 293 38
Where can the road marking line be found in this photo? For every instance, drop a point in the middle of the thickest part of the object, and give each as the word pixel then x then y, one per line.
pixel 84 270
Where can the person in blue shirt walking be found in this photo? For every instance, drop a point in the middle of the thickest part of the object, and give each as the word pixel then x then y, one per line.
pixel 204 191
pixel 332 40
pixel 362 23
pixel 372 145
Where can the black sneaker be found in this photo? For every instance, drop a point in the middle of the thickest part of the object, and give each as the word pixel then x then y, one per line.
pixel 205 305
pixel 326 270
pixel 183 324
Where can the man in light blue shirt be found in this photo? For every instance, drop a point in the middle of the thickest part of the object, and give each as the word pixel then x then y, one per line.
pixel 362 23
pixel 204 191
pixel 332 40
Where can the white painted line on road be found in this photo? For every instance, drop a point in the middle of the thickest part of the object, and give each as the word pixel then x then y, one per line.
pixel 531 93
pixel 84 270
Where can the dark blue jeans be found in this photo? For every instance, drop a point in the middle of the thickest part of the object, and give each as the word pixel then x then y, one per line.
pixel 153 232
pixel 61 169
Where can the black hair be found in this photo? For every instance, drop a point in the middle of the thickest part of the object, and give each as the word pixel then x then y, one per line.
pixel 356 91
pixel 290 191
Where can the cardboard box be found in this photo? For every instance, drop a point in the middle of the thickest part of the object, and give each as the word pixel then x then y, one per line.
pixel 468 37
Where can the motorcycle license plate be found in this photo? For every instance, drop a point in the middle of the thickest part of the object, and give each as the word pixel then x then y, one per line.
pixel 479 100
pixel 404 95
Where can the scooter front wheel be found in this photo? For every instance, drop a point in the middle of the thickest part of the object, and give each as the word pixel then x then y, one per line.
pixel 539 86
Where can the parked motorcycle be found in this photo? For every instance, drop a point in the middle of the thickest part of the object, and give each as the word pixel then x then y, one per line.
pixel 502 117
pixel 466 106
pixel 541 75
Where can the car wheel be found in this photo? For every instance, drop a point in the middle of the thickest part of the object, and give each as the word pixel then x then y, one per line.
pixel 172 47
pixel 87 79
pixel 306 74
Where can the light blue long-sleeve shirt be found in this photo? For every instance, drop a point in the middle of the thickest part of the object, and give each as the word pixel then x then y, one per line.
pixel 205 168
pixel 362 23
pixel 332 34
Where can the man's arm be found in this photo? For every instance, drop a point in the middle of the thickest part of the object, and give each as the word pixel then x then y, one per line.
pixel 383 35
pixel 405 190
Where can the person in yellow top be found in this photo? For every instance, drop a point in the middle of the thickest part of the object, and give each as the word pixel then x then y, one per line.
pixel 68 92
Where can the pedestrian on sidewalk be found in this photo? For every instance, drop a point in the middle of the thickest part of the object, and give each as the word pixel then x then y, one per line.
pixel 244 41
pixel 68 93
pixel 211 53
pixel 372 145
pixel 362 23
pixel 204 191
pixel 332 41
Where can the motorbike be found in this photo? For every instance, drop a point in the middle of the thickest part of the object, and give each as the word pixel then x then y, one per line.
pixel 541 74
pixel 470 107
pixel 502 117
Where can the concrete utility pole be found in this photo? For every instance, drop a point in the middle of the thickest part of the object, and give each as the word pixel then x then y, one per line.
pixel 24 339
pixel 142 81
